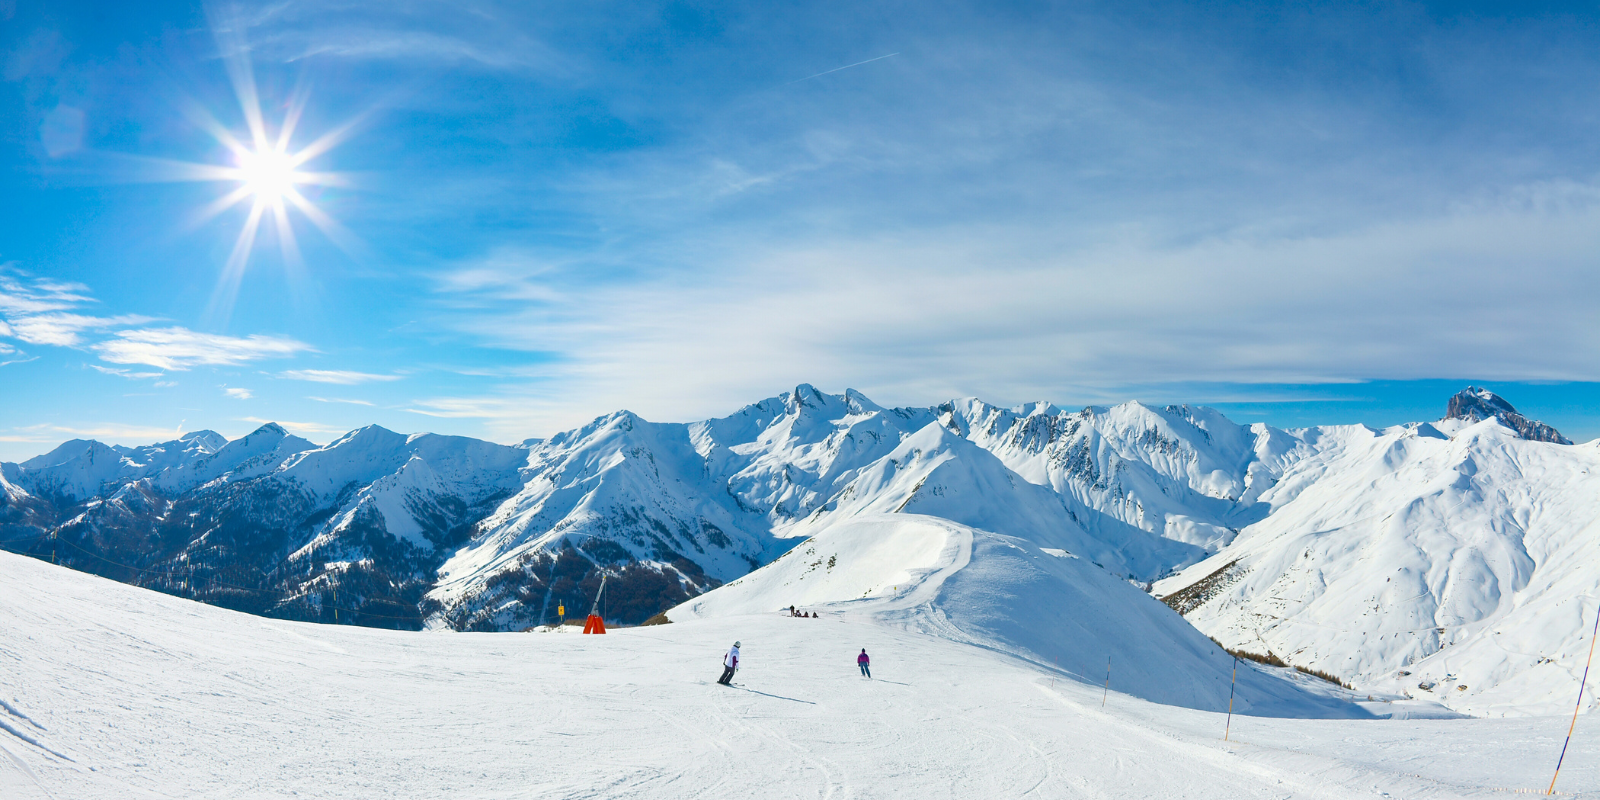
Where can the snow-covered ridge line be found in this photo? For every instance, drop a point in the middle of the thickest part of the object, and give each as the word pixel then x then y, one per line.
pixel 413 530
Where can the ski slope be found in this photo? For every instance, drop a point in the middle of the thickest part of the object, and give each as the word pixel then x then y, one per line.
pixel 111 691
pixel 1048 606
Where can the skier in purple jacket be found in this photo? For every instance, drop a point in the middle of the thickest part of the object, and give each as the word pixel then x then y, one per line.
pixel 864 663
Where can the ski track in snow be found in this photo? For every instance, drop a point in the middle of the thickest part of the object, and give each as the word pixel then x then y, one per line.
pixel 131 694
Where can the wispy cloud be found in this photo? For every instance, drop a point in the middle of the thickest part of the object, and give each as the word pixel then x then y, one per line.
pixel 122 373
pixel 40 310
pixel 341 377
pixel 847 66
pixel 111 432
pixel 237 393
pixel 66 330
pixel 340 400
pixel 24 294
pixel 463 407
pixel 43 311
pixel 483 37
pixel 972 311
pixel 306 429
pixel 176 349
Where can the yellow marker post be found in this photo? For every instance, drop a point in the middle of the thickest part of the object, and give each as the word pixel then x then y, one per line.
pixel 1581 684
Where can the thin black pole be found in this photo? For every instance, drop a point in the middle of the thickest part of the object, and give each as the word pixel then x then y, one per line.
pixel 1107 692
pixel 1231 683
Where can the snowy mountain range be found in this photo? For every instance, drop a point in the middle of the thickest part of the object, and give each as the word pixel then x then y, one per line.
pixel 1283 541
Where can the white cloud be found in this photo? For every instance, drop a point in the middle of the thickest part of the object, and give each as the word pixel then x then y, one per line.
pixel 339 400
pixel 237 393
pixel 43 311
pixel 65 330
pixel 342 377
pixel 1008 315
pixel 294 31
pixel 464 407
pixel 48 312
pixel 177 349
pixel 306 429
pixel 109 432
pixel 122 373
pixel 21 294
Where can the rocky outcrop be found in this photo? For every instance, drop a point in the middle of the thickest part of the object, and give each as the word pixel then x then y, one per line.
pixel 1476 404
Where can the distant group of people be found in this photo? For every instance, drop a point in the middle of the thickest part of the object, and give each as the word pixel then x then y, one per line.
pixel 806 614
pixel 730 664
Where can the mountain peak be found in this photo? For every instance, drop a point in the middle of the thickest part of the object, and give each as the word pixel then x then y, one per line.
pixel 807 395
pixel 1475 404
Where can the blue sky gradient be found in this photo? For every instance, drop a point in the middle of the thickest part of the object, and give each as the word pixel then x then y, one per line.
pixel 1298 213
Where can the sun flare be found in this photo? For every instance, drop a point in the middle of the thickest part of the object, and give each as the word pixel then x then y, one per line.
pixel 270 175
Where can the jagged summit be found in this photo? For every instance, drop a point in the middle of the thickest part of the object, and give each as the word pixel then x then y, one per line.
pixel 269 429
pixel 429 530
pixel 1476 404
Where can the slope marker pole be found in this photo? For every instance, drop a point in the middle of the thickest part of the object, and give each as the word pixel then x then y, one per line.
pixel 1581 684
pixel 1107 692
pixel 1231 683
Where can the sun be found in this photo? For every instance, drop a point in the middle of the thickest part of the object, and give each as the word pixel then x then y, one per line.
pixel 265 171
pixel 270 175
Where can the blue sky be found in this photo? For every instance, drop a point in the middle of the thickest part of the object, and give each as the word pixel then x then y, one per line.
pixel 536 213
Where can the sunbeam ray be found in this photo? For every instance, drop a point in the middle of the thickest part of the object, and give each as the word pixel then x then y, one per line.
pixel 291 117
pixel 326 141
pixel 336 233
pixel 293 262
pixel 227 290
pixel 218 206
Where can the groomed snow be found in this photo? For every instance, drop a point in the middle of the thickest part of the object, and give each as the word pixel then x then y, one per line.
pixel 1006 594
pixel 115 692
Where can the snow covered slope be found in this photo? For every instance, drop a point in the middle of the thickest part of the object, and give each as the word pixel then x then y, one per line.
pixel 1451 561
pixel 269 522
pixel 112 692
pixel 726 495
pixel 1007 594
pixel 1362 553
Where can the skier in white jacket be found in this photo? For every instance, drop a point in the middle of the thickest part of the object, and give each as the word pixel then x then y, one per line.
pixel 730 665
